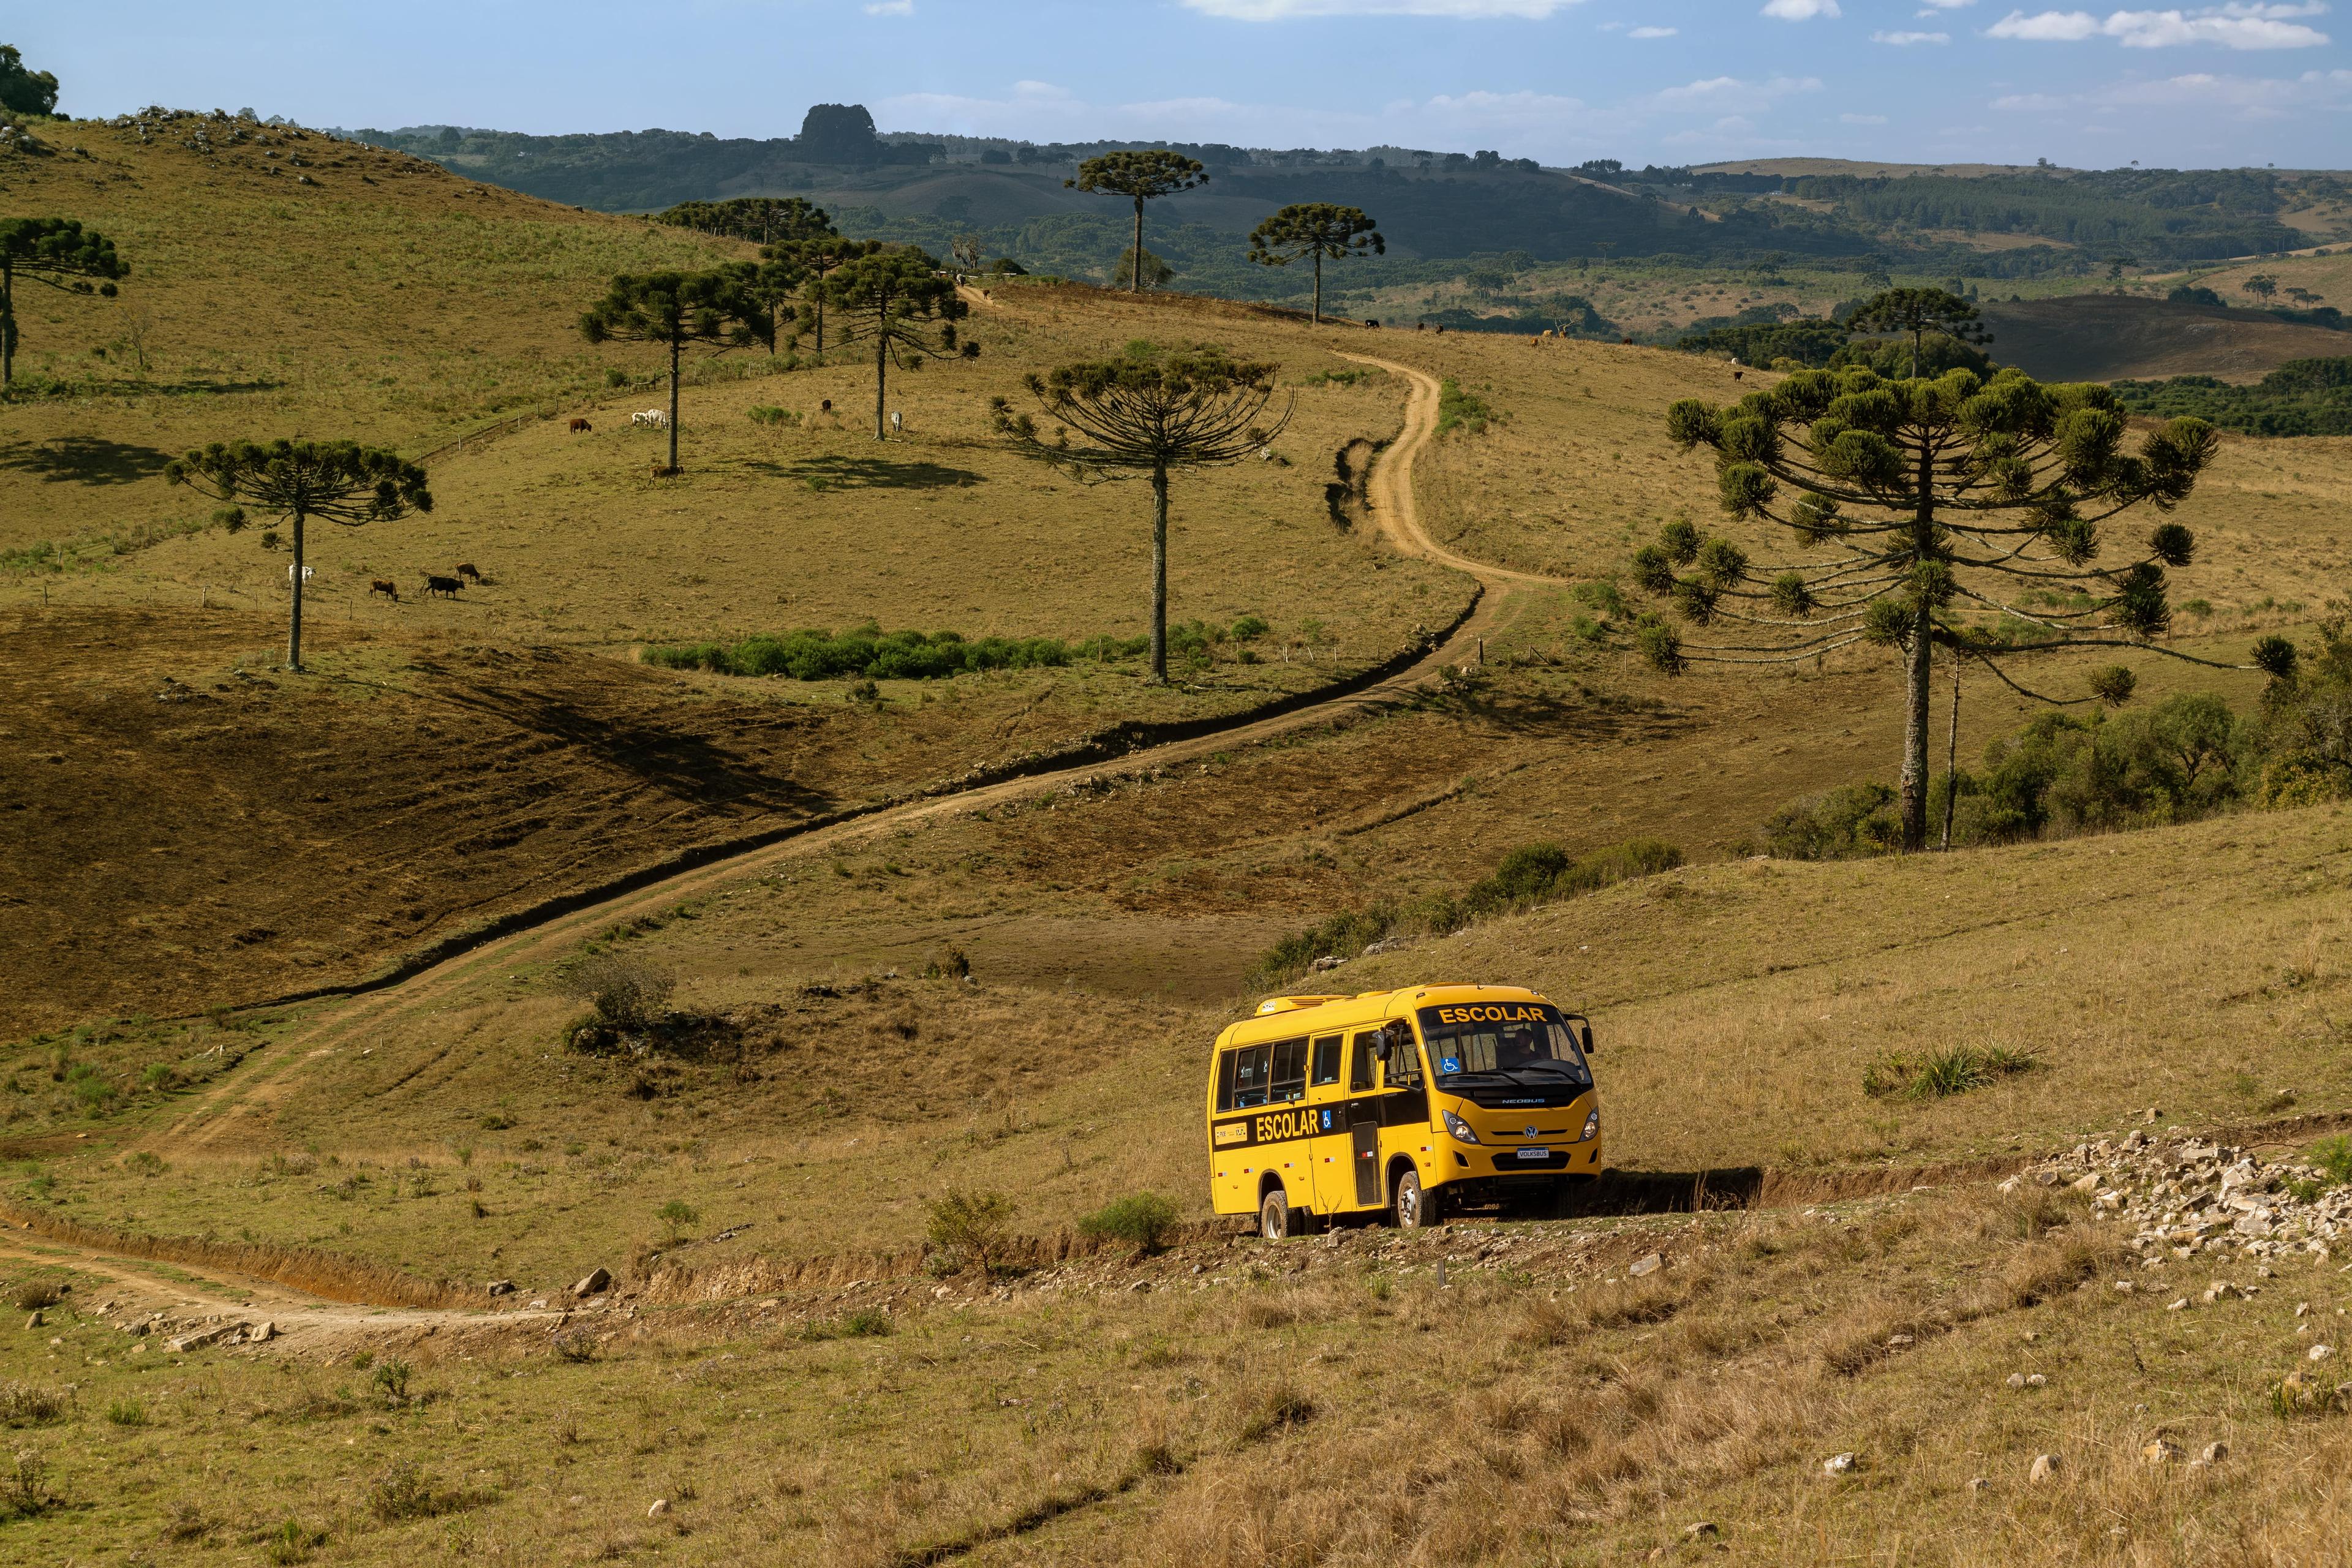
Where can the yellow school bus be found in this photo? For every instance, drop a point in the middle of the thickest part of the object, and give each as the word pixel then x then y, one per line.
pixel 1404 1103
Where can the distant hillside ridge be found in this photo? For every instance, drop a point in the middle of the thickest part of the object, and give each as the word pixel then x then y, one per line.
pixel 2109 336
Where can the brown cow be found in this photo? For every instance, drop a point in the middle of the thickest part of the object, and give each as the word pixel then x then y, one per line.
pixel 580 426
pixel 388 589
pixel 466 570
pixel 446 586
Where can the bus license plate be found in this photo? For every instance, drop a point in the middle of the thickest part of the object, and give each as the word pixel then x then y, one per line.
pixel 1535 1153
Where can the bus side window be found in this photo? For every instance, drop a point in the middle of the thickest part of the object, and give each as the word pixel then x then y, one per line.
pixel 1359 1066
pixel 1226 1061
pixel 1250 1065
pixel 1327 1060
pixel 1402 1065
pixel 1289 1069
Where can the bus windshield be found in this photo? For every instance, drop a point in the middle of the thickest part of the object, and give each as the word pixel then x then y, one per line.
pixel 1509 1042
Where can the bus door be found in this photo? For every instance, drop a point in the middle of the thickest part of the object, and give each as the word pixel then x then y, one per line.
pixel 1327 1100
pixel 1365 1106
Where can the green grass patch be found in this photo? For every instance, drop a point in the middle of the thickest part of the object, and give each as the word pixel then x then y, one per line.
pixel 1457 408
pixel 1938 1074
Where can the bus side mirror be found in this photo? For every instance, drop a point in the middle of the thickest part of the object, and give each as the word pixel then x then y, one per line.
pixel 1586 1030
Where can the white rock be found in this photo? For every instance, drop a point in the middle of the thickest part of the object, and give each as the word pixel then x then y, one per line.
pixel 2046 1467
pixel 1838 1464
pixel 661 1507
pixel 2320 1353
pixel 1649 1265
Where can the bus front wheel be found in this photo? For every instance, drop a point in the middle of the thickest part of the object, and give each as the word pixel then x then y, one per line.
pixel 1413 1206
pixel 1274 1220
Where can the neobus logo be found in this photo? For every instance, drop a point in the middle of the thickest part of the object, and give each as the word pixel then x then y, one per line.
pixel 1520 1013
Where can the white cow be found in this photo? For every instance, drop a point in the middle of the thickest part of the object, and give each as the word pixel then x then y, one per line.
pixel 651 418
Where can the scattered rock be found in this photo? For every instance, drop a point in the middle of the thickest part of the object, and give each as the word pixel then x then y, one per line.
pixel 598 1280
pixel 199 1337
pixel 538 1304
pixel 35 1320
pixel 2089 1184
pixel 661 1507
pixel 500 1288
pixel 2221 1291
pixel 1979 1484
pixel 1646 1265
pixel 2158 1451
pixel 1703 1529
pixel 2037 1380
pixel 1839 1465
pixel 2125 1287
pixel 261 1334
pixel 2178 1306
pixel 2320 1353
pixel 2045 1468
pixel 2215 1453
pixel 2016 1380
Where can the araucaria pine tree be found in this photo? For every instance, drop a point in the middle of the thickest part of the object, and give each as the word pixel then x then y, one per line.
pixel 1145 416
pixel 1919 311
pixel 675 308
pixel 1141 176
pixel 1317 229
pixel 57 251
pixel 896 300
pixel 1958 509
pixel 299 480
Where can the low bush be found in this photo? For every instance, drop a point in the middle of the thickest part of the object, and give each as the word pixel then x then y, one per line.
pixel 2333 1157
pixel 865 652
pixel 35 1294
pixel 969 1230
pixel 27 1404
pixel 1955 1069
pixel 406 1492
pixel 629 992
pixel 126 1413
pixel 1144 1221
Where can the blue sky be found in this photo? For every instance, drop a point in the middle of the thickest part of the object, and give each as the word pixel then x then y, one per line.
pixel 1561 81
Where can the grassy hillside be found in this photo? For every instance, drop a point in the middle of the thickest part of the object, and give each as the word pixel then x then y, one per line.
pixel 2107 337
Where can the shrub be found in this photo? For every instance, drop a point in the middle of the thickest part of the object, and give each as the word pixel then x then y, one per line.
pixel 762 414
pixel 676 1213
pixel 391 1380
pixel 292 1542
pixel 23 1405
pixel 35 1294
pixel 2333 1157
pixel 24 1486
pixel 126 1413
pixel 1851 819
pixel 866 1323
pixel 1143 1221
pixel 629 992
pixel 970 1229
pixel 1274 1410
pixel 574 1345
pixel 1457 407
pixel 1954 1069
pixel 402 1492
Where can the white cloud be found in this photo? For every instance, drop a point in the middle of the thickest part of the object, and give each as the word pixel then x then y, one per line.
pixel 1935 6
pixel 1799 10
pixel 1654 32
pixel 1295 10
pixel 1905 40
pixel 891 8
pixel 1731 94
pixel 1861 118
pixel 2236 27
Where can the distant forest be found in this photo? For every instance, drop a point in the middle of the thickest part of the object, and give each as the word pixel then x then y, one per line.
pixel 2301 397
pixel 1436 209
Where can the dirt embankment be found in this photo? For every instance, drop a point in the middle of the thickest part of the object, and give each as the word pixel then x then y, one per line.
pixel 178 833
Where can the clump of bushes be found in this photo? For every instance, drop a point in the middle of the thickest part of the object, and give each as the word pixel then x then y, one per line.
pixel 865 651
pixel 1143 1221
pixel 1532 874
pixel 969 1230
pixel 406 1492
pixel 1458 408
pixel 28 1405
pixel 630 995
pixel 764 414
pixel 1955 1069
pixel 2188 757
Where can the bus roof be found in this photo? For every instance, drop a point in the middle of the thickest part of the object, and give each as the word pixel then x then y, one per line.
pixel 1282 1017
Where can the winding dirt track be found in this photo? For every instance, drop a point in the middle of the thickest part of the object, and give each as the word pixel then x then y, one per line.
pixel 243 1103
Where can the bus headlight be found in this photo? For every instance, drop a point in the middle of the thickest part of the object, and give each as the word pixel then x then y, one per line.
pixel 1592 1126
pixel 1460 1129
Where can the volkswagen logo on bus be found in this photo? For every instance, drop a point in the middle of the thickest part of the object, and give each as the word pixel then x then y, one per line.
pixel 1531 1132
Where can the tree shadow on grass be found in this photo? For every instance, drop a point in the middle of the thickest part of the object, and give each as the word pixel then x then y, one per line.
pixel 870 474
pixel 84 459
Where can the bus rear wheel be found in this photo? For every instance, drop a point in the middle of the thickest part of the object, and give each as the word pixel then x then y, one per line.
pixel 1414 1206
pixel 1276 1222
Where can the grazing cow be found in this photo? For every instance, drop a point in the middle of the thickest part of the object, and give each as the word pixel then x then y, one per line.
pixel 388 589
pixel 1371 324
pixel 652 419
pixel 446 586
pixel 825 407
pixel 466 570
pixel 580 427
pixel 897 422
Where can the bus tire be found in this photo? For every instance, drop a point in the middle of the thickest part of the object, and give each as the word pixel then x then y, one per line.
pixel 1274 1220
pixel 1414 1206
